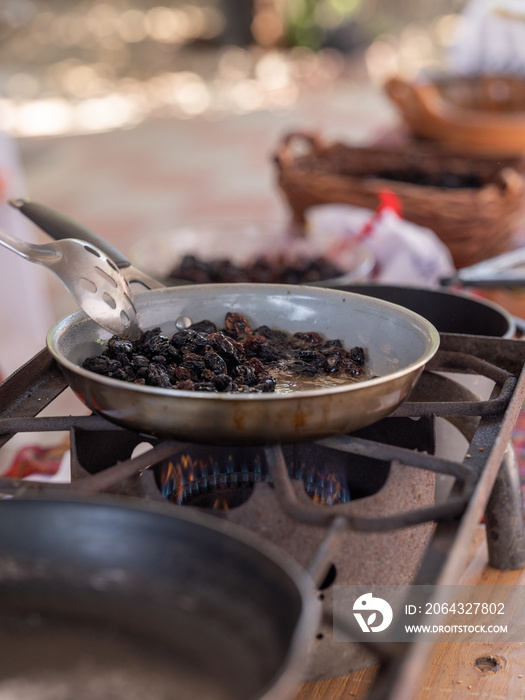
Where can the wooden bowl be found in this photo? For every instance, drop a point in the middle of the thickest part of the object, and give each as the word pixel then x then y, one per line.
pixel 484 115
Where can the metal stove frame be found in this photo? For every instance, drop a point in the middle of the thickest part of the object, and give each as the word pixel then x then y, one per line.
pixel 486 482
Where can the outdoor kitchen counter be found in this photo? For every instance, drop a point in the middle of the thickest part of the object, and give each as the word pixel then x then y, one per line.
pixel 451 673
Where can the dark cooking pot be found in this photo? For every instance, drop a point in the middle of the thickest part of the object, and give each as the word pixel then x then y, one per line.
pixel 449 312
pixel 101 599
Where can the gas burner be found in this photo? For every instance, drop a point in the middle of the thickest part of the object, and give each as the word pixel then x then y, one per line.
pixel 222 478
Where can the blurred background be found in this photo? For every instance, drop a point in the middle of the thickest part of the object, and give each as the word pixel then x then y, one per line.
pixel 136 117
pixel 84 66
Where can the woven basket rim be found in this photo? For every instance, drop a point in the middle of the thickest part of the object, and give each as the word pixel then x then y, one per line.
pixel 475 222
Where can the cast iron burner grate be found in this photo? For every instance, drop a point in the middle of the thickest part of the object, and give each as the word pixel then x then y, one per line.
pixel 485 480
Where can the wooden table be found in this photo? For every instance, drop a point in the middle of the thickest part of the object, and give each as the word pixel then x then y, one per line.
pixel 452 673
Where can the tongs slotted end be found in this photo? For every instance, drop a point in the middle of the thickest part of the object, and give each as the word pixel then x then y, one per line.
pixel 91 277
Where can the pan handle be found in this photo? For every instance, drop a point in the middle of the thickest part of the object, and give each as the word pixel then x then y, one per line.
pixel 59 226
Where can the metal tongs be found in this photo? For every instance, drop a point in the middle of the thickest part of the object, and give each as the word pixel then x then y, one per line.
pixel 507 270
pixel 91 278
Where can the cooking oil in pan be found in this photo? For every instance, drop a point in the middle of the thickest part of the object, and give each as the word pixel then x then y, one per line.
pixel 288 381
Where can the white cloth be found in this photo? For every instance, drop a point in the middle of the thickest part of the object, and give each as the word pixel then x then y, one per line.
pixel 491 38
pixel 25 310
pixel 406 254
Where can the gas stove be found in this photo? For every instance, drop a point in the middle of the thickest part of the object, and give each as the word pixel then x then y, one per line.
pixel 391 504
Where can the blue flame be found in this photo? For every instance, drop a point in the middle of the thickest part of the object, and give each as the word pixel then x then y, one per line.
pixel 191 475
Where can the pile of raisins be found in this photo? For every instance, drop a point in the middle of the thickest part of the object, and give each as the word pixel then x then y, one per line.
pixel 233 359
pixel 445 180
pixel 265 270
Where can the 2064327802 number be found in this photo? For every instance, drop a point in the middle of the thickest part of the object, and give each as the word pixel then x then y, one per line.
pixel 461 608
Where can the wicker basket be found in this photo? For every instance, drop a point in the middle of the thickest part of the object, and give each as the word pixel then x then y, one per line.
pixel 475 222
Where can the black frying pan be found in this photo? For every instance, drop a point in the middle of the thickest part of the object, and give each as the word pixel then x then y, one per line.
pixel 103 599
pixel 449 312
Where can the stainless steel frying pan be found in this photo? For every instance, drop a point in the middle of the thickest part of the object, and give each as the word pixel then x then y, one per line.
pixel 397 342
